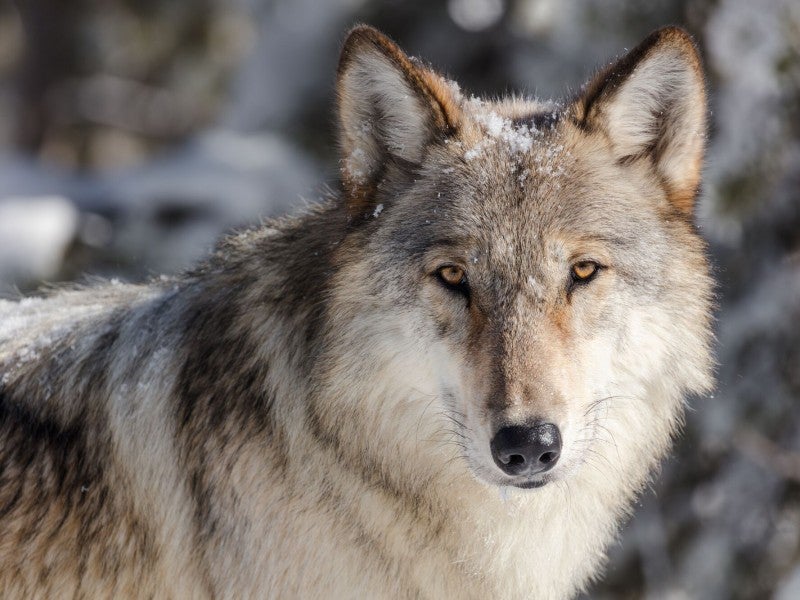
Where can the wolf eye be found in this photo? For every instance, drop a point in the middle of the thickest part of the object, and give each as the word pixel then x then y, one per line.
pixel 584 271
pixel 454 278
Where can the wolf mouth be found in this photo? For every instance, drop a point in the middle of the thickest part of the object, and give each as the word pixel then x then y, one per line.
pixel 530 484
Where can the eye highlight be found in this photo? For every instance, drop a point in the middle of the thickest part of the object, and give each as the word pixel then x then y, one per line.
pixel 584 271
pixel 454 278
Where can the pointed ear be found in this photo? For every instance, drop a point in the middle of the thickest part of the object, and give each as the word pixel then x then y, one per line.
pixel 390 109
pixel 652 103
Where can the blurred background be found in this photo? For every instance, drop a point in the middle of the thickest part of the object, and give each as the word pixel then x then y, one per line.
pixel 133 132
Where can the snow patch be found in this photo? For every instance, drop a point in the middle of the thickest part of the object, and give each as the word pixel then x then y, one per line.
pixel 494 123
pixel 517 138
pixel 357 165
pixel 34 235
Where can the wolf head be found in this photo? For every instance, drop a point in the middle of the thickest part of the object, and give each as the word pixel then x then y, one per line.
pixel 520 278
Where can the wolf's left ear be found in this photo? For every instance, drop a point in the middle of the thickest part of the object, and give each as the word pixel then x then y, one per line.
pixel 652 104
pixel 390 109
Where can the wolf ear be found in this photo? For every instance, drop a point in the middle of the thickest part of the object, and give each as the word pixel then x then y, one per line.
pixel 652 103
pixel 390 109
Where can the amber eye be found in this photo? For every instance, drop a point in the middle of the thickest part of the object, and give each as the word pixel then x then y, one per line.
pixel 453 278
pixel 451 275
pixel 584 270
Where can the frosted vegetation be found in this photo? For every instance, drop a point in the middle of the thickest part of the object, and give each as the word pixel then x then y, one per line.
pixel 160 128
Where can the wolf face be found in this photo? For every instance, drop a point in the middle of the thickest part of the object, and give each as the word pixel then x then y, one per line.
pixel 532 264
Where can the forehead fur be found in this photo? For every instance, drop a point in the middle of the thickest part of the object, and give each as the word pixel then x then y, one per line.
pixel 645 111
pixel 523 161
pixel 483 117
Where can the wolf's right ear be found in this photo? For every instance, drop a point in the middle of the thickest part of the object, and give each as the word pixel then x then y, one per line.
pixel 390 109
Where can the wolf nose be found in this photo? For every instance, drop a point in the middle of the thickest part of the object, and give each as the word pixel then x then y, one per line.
pixel 526 450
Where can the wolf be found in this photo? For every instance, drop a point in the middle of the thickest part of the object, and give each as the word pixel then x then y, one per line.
pixel 449 380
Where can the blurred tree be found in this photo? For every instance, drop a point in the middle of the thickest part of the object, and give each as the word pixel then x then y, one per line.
pixel 52 28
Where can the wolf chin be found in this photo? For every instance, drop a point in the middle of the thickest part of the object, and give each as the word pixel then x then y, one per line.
pixel 450 380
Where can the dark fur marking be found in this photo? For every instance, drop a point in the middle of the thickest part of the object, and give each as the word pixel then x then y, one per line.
pixel 40 435
pixel 216 383
pixel 56 453
pixel 221 398
pixel 306 277
pixel 58 458
pixel 539 120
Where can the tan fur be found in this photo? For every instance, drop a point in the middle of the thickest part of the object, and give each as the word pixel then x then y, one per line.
pixel 308 414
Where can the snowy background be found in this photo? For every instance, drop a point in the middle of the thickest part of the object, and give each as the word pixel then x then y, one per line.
pixel 133 132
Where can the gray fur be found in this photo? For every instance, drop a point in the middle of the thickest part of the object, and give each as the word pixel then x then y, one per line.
pixel 307 414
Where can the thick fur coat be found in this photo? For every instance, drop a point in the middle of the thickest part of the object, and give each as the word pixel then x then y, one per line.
pixel 314 411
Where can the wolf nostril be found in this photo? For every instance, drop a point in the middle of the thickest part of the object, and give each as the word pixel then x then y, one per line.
pixel 548 457
pixel 526 449
pixel 515 459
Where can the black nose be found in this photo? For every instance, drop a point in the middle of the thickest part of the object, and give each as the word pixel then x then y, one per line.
pixel 526 450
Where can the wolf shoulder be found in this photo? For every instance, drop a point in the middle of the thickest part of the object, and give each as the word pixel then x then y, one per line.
pixel 32 328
